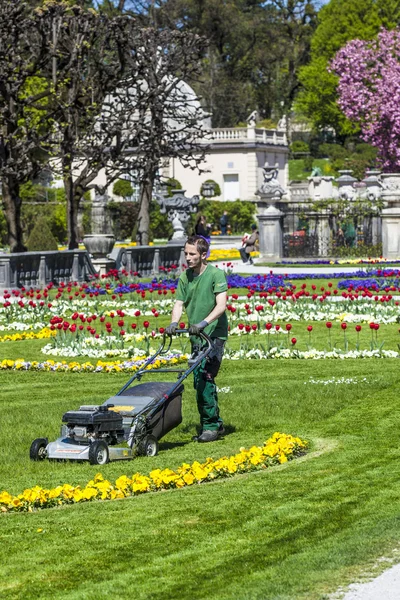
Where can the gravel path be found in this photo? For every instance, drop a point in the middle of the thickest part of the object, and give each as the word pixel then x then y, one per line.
pixel 384 587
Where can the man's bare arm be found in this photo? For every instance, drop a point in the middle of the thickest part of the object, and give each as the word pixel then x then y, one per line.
pixel 177 311
pixel 219 308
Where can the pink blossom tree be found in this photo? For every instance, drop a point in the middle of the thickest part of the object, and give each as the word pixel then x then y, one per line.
pixel 369 92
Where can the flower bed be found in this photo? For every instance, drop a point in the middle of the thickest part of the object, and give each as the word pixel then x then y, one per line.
pixel 276 450
pixel 312 353
pixel 342 261
pixel 43 334
pixel 127 366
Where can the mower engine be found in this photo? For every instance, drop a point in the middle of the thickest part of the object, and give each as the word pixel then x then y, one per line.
pixel 91 423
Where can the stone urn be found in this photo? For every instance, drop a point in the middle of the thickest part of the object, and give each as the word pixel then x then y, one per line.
pixel 99 245
pixel 391 188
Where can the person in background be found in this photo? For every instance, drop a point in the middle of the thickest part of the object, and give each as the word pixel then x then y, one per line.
pixel 249 245
pixel 202 228
pixel 224 222
pixel 202 292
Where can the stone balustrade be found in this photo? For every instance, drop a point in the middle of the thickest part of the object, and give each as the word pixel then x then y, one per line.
pixel 37 269
pixel 149 260
pixel 248 134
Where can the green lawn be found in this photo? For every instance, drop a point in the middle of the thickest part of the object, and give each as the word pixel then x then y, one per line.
pixel 297 172
pixel 298 531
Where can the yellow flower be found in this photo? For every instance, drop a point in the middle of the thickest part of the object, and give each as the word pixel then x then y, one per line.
pixel 5 498
pixel 88 493
pixel 141 484
pixel 199 471
pixel 55 493
pixel 156 476
pixel 123 482
pixel 189 478
pixel 168 476
pixel 77 495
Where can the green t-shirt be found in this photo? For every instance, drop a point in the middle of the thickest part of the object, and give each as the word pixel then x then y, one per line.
pixel 197 292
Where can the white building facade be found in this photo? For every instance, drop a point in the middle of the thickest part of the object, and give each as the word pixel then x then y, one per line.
pixel 234 160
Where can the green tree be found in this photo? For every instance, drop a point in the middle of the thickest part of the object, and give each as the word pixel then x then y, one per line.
pixel 255 48
pixel 23 106
pixel 338 22
pixel 91 60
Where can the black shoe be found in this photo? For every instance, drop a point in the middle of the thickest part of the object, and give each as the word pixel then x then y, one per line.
pixel 251 261
pixel 208 435
pixel 221 432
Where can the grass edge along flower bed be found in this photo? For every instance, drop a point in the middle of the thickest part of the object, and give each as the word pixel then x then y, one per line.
pixel 278 449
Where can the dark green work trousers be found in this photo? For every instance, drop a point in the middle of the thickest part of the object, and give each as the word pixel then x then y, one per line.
pixel 204 384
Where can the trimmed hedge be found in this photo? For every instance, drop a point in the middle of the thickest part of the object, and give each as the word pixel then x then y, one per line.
pixel 41 237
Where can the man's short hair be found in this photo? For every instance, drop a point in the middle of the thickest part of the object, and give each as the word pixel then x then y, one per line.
pixel 201 244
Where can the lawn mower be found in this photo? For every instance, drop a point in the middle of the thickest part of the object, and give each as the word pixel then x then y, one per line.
pixel 128 424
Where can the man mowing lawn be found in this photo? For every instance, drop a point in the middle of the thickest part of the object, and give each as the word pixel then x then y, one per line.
pixel 202 291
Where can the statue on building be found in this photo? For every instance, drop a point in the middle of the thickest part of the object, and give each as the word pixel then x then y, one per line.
pixel 271 186
pixel 316 172
pixel 252 119
pixel 282 123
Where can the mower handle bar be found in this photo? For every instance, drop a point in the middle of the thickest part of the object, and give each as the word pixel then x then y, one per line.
pixel 161 351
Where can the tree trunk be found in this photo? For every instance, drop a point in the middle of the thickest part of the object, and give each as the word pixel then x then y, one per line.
pixel 143 222
pixel 72 212
pixel 12 211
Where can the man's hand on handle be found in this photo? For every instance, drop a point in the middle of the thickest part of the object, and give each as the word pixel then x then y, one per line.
pixel 196 329
pixel 171 329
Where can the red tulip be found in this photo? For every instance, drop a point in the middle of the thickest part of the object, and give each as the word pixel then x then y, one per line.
pixel 294 341
pixel 161 330
pixel 309 328
pixel 288 326
pixel 241 326
pixel 182 325
pixel 376 326
pixel 133 325
pixel 344 326
pixel 254 327
pixel 328 324
pixel 358 328
pixel 146 324
pixel 268 326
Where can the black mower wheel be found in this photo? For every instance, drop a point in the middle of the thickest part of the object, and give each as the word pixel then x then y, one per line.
pixel 37 450
pixel 98 453
pixel 148 446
